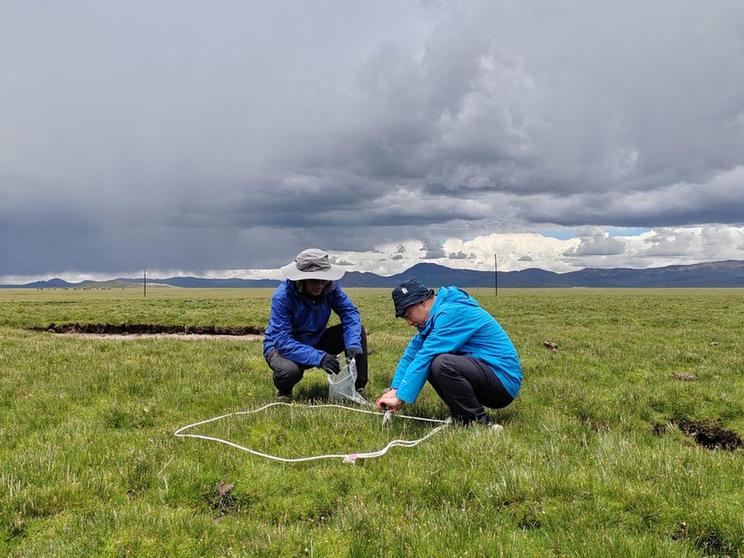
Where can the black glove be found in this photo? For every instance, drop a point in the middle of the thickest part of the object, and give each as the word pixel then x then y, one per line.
pixel 353 352
pixel 330 364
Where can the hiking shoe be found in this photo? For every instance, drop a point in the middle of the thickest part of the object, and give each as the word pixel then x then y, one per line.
pixel 362 393
pixel 283 396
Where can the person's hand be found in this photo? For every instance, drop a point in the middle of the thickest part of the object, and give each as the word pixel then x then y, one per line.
pixel 353 352
pixel 330 364
pixel 389 401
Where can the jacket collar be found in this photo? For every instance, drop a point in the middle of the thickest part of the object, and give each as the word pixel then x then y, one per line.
pixel 435 309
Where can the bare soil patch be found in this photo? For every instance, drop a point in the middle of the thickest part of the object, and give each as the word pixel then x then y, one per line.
pixel 223 500
pixel 138 331
pixel 710 435
pixel 552 347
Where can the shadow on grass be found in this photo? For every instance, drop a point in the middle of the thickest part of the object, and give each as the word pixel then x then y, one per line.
pixel 312 393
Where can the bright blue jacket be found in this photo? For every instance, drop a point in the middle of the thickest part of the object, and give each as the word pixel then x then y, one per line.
pixel 297 322
pixel 457 324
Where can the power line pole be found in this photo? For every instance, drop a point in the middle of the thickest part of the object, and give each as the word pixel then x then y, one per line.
pixel 495 276
pixel 144 282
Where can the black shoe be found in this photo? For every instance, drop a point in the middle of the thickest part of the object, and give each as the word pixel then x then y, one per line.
pixel 283 396
pixel 362 393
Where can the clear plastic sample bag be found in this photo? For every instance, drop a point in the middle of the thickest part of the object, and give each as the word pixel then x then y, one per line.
pixel 341 385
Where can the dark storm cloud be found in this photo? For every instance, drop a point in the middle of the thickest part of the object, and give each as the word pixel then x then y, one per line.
pixel 594 242
pixel 457 255
pixel 666 243
pixel 718 200
pixel 586 98
pixel 99 247
pixel 235 135
pixel 432 249
pixel 379 205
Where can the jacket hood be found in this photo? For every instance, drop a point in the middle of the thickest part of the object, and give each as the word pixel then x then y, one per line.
pixel 454 295
pixel 447 296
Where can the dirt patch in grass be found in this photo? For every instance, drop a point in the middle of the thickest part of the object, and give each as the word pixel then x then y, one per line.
pixel 710 541
pixel 222 500
pixel 709 434
pixel 134 331
pixel 685 377
pixel 657 429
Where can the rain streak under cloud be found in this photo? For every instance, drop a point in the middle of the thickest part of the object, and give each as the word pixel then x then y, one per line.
pixel 223 138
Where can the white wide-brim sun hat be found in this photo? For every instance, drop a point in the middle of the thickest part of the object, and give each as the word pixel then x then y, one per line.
pixel 312 264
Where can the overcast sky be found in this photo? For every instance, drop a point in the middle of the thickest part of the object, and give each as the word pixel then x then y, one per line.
pixel 220 138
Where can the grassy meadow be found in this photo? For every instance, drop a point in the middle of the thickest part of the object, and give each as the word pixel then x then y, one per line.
pixel 592 461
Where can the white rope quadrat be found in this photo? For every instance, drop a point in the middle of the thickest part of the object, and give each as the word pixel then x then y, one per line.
pixel 347 457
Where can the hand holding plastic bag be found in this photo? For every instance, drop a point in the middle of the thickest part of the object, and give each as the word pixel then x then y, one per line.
pixel 330 364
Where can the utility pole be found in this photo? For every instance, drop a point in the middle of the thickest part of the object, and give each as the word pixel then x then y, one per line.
pixel 144 282
pixel 495 275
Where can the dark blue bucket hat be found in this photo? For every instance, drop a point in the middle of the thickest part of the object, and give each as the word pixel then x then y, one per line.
pixel 409 293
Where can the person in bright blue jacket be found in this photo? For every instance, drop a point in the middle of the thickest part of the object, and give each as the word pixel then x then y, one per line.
pixel 460 349
pixel 297 337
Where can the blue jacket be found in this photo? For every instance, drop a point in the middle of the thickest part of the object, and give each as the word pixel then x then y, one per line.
pixel 457 324
pixel 297 322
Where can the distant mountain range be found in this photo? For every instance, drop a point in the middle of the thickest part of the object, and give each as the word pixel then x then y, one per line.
pixel 713 274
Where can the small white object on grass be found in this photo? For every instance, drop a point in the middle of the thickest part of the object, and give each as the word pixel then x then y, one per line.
pixel 387 417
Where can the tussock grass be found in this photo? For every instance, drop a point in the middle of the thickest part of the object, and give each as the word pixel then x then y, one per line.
pixel 591 462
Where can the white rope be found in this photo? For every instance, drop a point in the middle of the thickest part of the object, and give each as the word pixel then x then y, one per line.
pixel 347 457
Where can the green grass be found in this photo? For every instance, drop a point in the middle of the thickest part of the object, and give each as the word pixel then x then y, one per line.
pixel 590 462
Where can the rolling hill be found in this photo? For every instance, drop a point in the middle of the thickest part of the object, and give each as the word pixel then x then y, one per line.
pixel 728 273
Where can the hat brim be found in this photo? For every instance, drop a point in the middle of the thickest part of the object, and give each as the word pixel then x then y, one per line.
pixel 291 272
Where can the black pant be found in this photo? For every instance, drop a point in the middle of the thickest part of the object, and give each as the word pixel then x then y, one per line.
pixel 287 373
pixel 466 385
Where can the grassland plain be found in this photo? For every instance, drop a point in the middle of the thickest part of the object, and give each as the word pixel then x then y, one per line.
pixel 590 462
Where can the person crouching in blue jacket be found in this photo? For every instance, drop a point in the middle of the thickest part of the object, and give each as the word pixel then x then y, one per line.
pixel 297 337
pixel 460 349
